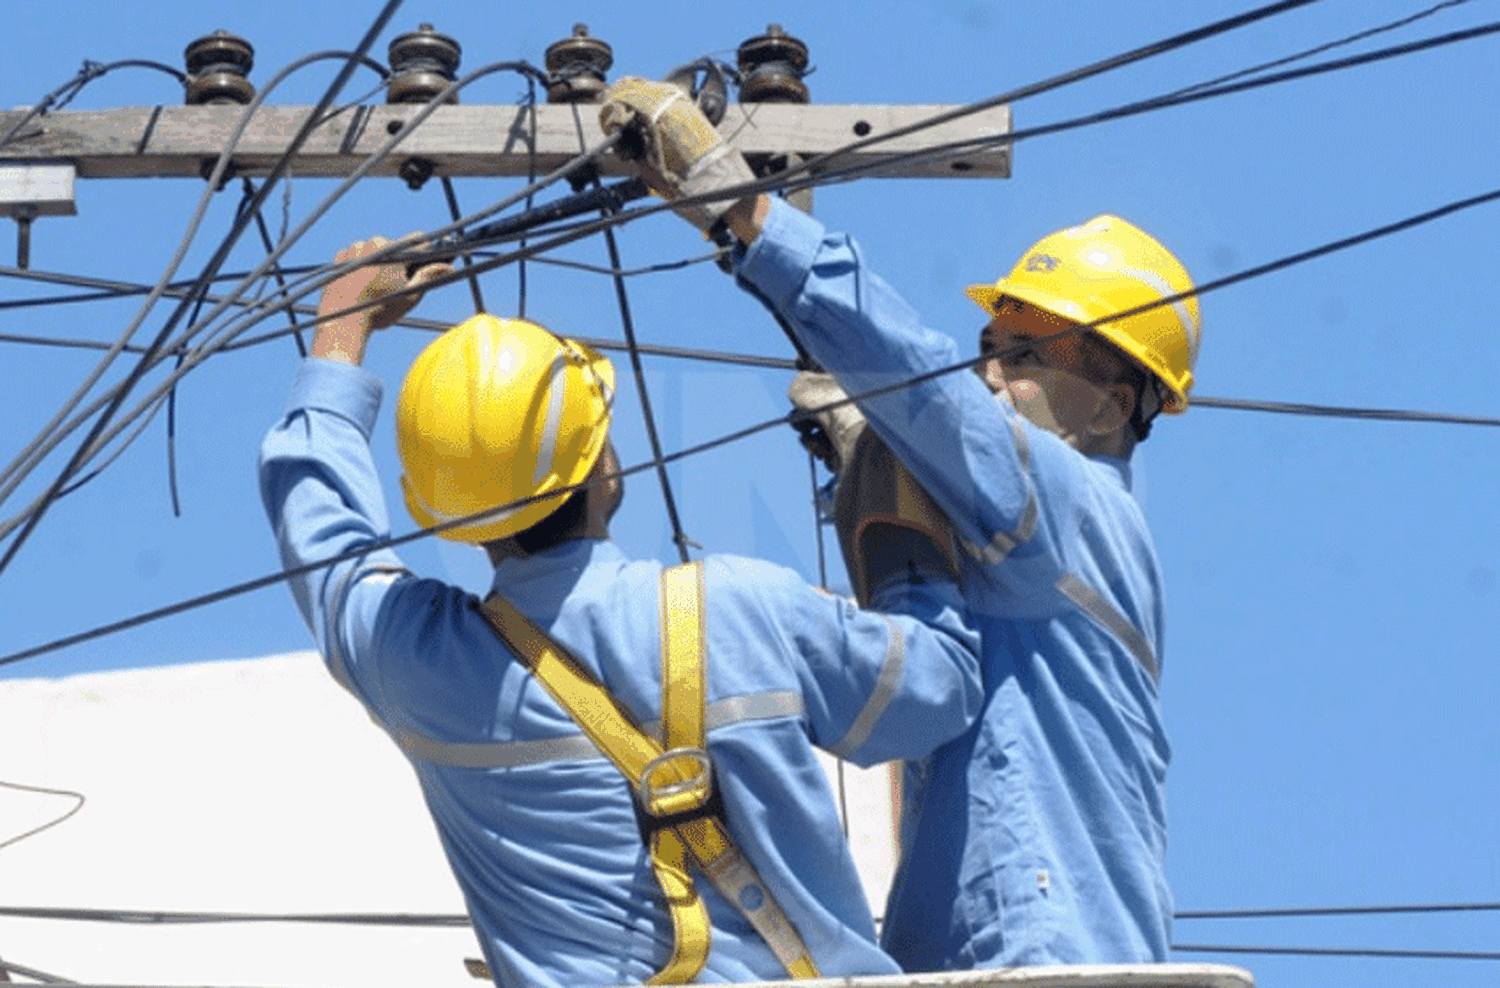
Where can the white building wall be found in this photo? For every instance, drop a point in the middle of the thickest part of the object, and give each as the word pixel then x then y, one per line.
pixel 253 786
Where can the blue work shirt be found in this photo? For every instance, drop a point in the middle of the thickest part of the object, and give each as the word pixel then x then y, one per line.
pixel 1039 837
pixel 539 828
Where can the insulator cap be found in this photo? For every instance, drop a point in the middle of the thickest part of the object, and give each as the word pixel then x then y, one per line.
pixel 771 68
pixel 217 66
pixel 423 63
pixel 576 67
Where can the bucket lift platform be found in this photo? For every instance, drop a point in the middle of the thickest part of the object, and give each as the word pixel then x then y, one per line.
pixel 1060 976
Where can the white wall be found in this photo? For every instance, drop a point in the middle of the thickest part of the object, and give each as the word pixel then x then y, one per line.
pixel 252 786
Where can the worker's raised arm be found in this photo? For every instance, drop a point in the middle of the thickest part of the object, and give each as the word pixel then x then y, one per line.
pixel 317 479
pixel 682 156
pixel 347 303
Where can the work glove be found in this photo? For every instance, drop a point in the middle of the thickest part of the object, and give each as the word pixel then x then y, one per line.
pixel 840 427
pixel 680 152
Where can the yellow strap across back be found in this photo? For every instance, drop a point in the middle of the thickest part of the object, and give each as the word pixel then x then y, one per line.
pixel 672 777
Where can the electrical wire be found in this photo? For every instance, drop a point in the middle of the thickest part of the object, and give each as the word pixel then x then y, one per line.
pixel 459 920
pixel 143 917
pixel 824 162
pixel 450 195
pixel 1440 955
pixel 1136 108
pixel 156 917
pixel 643 393
pixel 42 791
pixel 1332 411
pixel 1328 46
pixel 95 440
pixel 64 94
pixel 1306 911
pixel 11 967
pixel 269 246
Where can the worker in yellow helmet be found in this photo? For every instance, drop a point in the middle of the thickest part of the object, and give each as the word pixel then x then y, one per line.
pixel 619 758
pixel 1039 837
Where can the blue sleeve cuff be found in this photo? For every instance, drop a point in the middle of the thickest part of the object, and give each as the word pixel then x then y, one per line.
pixel 343 389
pixel 781 257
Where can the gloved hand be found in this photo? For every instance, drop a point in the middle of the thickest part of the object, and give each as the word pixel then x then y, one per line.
pixel 841 426
pixel 680 151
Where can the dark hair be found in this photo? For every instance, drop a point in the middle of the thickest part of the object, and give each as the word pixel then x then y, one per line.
pixel 557 527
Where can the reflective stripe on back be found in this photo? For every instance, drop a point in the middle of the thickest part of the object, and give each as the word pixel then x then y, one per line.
pixel 513 754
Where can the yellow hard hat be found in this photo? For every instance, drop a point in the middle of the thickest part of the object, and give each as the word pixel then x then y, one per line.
pixel 495 411
pixel 1100 269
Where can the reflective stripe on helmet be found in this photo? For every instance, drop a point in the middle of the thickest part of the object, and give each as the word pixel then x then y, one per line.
pixel 556 391
pixel 1179 306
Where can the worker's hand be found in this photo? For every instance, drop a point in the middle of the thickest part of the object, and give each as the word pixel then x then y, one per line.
pixel 840 426
pixel 343 337
pixel 680 152
pixel 376 281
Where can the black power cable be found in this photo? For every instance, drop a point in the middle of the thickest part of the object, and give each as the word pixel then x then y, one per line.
pixel 1438 955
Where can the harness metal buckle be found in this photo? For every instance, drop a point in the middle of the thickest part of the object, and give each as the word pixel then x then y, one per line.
pixel 699 784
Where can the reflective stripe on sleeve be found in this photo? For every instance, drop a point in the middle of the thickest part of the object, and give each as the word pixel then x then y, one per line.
pixel 880 697
pixel 513 754
pixel 338 665
pixel 1094 604
pixel 1003 542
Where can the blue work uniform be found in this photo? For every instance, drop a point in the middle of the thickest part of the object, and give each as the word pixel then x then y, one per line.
pixel 539 828
pixel 1039 837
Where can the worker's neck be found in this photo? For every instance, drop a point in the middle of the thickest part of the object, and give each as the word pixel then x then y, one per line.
pixel 594 525
pixel 1119 445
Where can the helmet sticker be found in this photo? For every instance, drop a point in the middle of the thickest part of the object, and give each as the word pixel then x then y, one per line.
pixel 1042 262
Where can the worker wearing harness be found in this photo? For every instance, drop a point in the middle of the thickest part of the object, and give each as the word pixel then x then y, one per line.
pixel 619 758
pixel 1039 837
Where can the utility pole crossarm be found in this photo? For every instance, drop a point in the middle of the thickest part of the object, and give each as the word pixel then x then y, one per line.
pixel 481 141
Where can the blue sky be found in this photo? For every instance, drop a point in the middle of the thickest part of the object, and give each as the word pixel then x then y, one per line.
pixel 1333 584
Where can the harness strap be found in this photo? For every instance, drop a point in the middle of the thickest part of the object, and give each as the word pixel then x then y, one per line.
pixel 673 779
pixel 684 692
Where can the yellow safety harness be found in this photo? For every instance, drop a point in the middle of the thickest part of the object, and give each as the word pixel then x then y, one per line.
pixel 681 815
